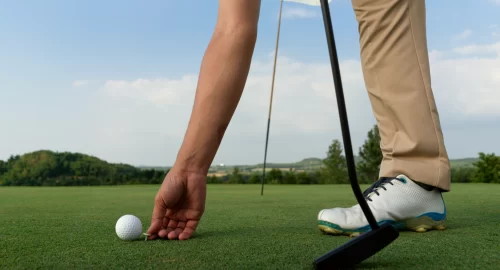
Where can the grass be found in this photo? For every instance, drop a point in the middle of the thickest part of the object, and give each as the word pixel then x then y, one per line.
pixel 73 228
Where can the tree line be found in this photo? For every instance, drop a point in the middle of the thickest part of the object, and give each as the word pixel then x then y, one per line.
pixel 334 169
pixel 47 168
pixel 290 177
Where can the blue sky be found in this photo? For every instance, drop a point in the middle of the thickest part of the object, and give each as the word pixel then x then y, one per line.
pixel 117 80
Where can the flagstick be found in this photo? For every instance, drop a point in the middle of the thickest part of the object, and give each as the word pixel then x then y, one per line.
pixel 271 99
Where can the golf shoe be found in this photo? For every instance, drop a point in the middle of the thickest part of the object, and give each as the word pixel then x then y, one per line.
pixel 395 200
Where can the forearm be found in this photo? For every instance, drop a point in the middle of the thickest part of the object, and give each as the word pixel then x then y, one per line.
pixel 223 74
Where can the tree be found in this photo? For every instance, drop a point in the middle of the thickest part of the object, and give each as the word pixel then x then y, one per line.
pixel 255 178
pixel 303 178
pixel 335 168
pixel 274 176
pixel 212 179
pixel 487 169
pixel 462 174
pixel 290 178
pixel 236 177
pixel 3 167
pixel 371 157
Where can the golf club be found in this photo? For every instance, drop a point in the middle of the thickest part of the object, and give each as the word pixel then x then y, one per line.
pixel 369 243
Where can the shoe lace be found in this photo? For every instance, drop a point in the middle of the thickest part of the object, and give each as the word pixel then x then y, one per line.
pixel 379 184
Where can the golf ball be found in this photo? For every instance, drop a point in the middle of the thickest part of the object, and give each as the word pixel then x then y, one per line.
pixel 128 227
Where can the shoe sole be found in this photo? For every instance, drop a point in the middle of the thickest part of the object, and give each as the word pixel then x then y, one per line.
pixel 420 224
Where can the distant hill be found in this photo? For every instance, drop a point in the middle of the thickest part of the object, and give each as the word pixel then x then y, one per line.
pixel 463 162
pixel 310 164
pixel 47 168
pixel 156 168
pixel 307 164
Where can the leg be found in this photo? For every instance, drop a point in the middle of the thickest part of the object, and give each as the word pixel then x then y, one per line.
pixel 396 71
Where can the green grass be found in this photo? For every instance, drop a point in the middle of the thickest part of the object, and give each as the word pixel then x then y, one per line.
pixel 73 228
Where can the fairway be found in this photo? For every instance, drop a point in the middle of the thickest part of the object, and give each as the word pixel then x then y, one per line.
pixel 73 228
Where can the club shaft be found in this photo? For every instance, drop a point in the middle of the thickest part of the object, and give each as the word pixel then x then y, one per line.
pixel 271 99
pixel 265 158
pixel 351 168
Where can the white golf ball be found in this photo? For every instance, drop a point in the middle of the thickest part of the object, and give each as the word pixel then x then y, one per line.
pixel 128 227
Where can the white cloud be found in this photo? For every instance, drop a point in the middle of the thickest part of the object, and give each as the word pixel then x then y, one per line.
pixel 468 75
pixel 475 49
pixel 463 35
pixel 160 92
pixel 496 2
pixel 295 12
pixel 153 113
pixel 468 83
pixel 302 92
pixel 150 115
pixel 80 83
pixel 495 30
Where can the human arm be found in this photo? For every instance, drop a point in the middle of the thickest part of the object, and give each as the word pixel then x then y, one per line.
pixel 223 74
pixel 180 202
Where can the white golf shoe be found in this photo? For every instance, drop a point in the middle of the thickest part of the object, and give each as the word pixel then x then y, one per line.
pixel 398 201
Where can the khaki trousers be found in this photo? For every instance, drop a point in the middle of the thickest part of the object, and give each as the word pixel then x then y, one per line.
pixel 395 65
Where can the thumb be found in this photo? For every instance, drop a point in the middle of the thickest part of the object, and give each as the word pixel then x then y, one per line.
pixel 157 219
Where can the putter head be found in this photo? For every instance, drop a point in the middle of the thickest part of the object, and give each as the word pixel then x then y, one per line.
pixel 357 249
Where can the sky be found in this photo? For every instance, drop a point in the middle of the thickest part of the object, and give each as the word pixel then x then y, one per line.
pixel 117 81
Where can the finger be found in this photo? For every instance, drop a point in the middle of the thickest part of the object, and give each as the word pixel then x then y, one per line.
pixel 157 218
pixel 175 233
pixel 166 220
pixel 188 230
pixel 162 234
pixel 171 225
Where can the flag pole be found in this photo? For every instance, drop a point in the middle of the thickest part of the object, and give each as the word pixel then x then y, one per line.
pixel 271 99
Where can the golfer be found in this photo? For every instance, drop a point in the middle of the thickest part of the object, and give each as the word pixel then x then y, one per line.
pixel 415 169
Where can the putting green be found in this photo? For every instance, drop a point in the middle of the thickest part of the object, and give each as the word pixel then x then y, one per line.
pixel 73 227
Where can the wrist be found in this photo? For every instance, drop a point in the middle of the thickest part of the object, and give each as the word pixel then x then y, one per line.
pixel 184 174
pixel 192 163
pixel 189 168
pixel 198 151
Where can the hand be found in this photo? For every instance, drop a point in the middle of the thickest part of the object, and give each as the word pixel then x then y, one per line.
pixel 179 205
